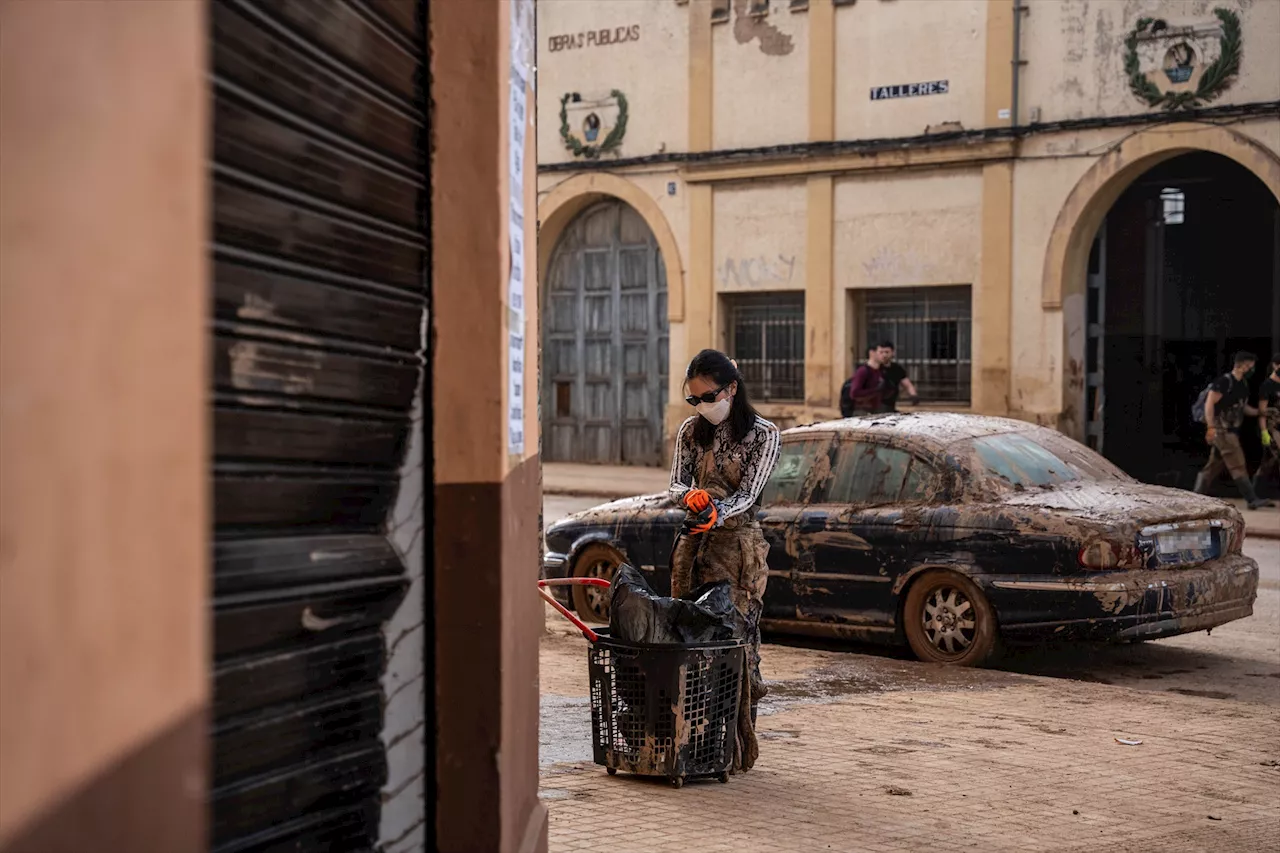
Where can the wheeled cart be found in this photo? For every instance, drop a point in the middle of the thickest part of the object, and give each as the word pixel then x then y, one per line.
pixel 660 710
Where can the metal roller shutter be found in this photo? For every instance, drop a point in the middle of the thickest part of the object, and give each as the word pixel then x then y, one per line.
pixel 319 256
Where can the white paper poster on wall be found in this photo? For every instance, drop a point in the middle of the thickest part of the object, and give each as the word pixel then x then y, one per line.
pixel 521 62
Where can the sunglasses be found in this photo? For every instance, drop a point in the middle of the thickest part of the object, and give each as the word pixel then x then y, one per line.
pixel 709 397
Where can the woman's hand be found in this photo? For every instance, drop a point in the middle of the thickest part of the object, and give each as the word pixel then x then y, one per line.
pixel 702 521
pixel 696 500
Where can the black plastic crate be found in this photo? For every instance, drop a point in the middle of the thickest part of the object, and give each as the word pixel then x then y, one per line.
pixel 665 710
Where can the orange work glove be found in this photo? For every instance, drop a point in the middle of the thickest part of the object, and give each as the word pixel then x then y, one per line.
pixel 703 521
pixel 696 500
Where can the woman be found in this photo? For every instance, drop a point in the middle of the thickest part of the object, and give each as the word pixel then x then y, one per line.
pixel 724 455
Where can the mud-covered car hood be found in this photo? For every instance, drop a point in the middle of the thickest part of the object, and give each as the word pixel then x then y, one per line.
pixel 1122 503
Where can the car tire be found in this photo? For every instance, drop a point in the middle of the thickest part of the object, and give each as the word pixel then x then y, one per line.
pixel 948 620
pixel 592 602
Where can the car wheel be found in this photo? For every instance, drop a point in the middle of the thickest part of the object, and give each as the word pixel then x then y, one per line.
pixel 949 620
pixel 592 602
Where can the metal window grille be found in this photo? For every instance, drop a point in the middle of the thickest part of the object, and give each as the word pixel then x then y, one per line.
pixel 768 343
pixel 931 329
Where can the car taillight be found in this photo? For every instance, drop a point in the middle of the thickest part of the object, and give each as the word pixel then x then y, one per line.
pixel 1100 555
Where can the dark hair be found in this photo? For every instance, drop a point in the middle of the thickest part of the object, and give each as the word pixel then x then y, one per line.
pixel 872 347
pixel 717 367
pixel 1242 357
pixel 1275 359
pixel 886 345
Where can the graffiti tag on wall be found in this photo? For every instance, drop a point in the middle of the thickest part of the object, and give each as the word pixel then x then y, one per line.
pixel 761 271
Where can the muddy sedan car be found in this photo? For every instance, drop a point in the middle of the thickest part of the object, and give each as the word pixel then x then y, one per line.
pixel 951 533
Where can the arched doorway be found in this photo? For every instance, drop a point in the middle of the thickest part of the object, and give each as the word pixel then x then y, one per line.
pixel 605 340
pixel 1183 272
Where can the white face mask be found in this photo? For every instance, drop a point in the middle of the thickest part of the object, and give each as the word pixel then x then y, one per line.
pixel 715 412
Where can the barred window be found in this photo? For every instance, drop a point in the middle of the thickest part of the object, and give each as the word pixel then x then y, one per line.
pixel 931 329
pixel 767 340
pixel 1174 203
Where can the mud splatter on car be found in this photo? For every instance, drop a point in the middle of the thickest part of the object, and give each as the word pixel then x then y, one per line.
pixel 950 532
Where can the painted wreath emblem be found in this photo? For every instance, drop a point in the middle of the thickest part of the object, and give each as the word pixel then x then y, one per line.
pixel 1216 78
pixel 611 142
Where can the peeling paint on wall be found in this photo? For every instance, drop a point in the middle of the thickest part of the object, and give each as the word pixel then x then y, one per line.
pixel 748 27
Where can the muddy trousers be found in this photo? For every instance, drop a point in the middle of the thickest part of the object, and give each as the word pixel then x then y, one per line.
pixel 1227 453
pixel 738 555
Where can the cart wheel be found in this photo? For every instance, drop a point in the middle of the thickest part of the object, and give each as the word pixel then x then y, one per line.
pixel 677 782
pixel 724 777
pixel 612 771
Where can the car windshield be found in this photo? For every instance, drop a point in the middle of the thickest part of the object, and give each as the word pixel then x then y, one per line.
pixel 1020 461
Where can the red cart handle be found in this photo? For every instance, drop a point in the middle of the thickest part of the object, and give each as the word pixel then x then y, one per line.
pixel 591 636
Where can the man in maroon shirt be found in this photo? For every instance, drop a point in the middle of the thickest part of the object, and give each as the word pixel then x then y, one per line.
pixel 863 393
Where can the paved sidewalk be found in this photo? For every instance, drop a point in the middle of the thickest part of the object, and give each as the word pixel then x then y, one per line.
pixel 608 481
pixel 1262 523
pixel 621 481
pixel 862 753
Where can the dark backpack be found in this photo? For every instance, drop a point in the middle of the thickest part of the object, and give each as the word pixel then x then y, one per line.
pixel 1197 408
pixel 846 398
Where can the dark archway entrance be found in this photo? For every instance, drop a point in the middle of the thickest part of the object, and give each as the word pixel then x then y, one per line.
pixel 1184 271
pixel 605 341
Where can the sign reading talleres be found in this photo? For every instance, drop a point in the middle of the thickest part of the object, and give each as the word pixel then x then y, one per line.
pixel 594 38
pixel 910 90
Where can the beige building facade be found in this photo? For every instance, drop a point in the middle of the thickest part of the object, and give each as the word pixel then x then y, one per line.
pixel 792 181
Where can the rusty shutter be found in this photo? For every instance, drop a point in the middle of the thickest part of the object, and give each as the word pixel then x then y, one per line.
pixel 318 254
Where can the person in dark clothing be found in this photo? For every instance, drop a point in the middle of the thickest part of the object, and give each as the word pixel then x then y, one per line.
pixel 862 391
pixel 895 379
pixel 1225 409
pixel 1269 421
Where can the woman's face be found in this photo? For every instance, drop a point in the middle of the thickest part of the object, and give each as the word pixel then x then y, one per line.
pixel 700 385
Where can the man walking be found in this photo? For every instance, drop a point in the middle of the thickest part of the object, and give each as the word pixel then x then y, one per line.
pixel 895 379
pixel 862 392
pixel 1225 407
pixel 1269 421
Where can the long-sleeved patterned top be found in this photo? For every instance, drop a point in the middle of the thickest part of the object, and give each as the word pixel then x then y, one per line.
pixel 733 472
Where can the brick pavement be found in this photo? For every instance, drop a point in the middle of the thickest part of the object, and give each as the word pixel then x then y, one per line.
pixel 992 760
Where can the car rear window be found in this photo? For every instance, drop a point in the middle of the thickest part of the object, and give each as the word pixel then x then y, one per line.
pixel 1020 461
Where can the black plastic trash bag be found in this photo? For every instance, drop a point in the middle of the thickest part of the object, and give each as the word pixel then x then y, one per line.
pixel 638 615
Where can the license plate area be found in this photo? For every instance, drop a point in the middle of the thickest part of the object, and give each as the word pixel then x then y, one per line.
pixel 1185 541
pixel 1183 544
